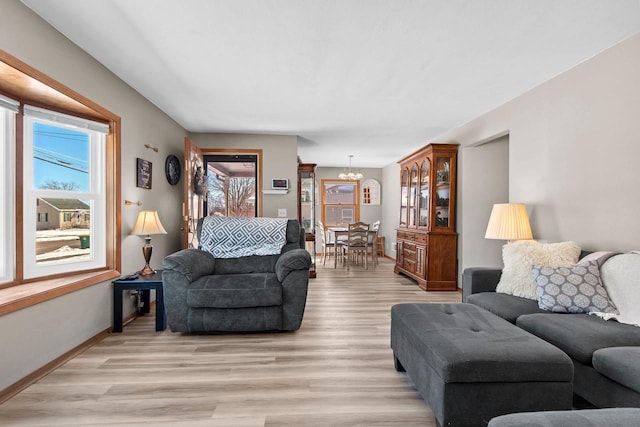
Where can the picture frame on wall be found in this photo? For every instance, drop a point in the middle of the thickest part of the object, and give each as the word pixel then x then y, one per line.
pixel 143 173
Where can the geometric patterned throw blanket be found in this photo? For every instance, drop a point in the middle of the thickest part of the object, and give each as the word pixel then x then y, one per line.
pixel 226 237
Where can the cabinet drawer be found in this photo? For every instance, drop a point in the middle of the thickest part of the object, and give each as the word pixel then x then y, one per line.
pixel 409 265
pixel 406 246
pixel 401 235
pixel 421 238
pixel 409 253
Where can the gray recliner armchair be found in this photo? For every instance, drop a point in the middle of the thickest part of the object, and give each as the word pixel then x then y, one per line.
pixel 247 294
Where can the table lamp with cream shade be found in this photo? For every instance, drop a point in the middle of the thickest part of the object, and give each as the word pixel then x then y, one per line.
pixel 148 223
pixel 509 221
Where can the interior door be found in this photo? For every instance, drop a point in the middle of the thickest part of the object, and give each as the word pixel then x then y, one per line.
pixel 193 204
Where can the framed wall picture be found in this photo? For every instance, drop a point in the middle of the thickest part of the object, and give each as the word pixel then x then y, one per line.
pixel 143 173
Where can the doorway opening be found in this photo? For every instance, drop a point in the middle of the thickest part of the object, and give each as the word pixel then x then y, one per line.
pixel 232 185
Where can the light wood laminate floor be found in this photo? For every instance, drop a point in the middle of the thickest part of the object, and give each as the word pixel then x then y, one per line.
pixel 337 370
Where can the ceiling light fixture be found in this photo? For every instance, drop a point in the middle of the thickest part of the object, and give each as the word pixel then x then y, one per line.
pixel 349 173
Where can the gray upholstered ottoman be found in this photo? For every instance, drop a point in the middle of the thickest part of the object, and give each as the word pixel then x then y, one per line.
pixel 470 365
pixel 613 417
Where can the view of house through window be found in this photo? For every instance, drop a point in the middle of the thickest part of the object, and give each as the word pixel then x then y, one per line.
pixel 63 187
pixel 231 185
pixel 61 164
pixel 340 203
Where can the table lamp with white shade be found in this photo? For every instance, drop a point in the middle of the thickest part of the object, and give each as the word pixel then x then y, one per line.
pixel 148 223
pixel 509 221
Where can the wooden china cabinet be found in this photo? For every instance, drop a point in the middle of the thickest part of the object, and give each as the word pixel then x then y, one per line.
pixel 426 237
pixel 307 208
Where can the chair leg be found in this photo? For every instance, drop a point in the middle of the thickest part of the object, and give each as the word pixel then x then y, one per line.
pixel 346 257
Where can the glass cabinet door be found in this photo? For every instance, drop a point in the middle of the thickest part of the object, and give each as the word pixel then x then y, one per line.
pixel 443 188
pixel 413 196
pixel 307 202
pixel 423 220
pixel 404 197
pixel 307 208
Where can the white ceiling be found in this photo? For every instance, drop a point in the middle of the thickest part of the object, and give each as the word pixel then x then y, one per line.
pixel 373 78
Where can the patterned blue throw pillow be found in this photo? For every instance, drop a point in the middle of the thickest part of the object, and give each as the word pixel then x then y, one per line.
pixel 576 289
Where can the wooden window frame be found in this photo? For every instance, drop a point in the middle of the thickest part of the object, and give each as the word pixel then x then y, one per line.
pixel 323 204
pixel 27 85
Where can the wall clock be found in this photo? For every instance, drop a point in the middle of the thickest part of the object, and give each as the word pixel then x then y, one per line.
pixel 172 169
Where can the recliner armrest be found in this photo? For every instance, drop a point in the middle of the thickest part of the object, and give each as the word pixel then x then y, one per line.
pixel 192 263
pixel 479 279
pixel 297 259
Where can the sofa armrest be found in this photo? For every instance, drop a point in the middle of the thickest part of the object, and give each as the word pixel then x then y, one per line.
pixel 292 270
pixel 297 259
pixel 479 279
pixel 191 263
pixel 179 270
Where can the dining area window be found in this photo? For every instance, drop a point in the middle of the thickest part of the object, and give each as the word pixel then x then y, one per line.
pixel 340 202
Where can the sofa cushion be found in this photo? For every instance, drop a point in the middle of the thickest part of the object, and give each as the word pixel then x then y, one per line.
pixel 575 289
pixel 508 307
pixel 579 335
pixel 520 256
pixel 612 417
pixel 246 265
pixel 235 291
pixel 620 364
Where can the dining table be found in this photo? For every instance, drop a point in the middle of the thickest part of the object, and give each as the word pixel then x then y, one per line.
pixel 341 234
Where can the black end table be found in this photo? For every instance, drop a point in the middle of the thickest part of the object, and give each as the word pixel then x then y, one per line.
pixel 144 284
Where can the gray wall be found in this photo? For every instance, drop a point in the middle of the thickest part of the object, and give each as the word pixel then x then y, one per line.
pixel 280 160
pixel 390 207
pixel 34 336
pixel 488 163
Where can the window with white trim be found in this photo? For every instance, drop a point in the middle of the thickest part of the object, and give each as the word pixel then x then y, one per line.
pixel 8 110
pixel 64 195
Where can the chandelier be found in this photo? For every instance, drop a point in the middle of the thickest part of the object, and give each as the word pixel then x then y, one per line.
pixel 349 173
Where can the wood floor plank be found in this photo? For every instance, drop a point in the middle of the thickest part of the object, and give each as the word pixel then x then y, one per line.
pixel 336 370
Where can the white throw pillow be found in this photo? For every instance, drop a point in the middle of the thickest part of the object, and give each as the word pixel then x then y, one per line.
pixel 621 277
pixel 520 256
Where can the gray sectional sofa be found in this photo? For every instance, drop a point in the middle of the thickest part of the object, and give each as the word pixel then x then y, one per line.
pixel 605 354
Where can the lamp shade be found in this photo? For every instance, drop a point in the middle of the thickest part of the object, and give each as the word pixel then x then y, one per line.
pixel 509 221
pixel 148 223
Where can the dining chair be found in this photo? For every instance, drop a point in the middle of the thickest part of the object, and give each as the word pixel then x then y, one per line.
pixel 372 242
pixel 356 244
pixel 327 242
